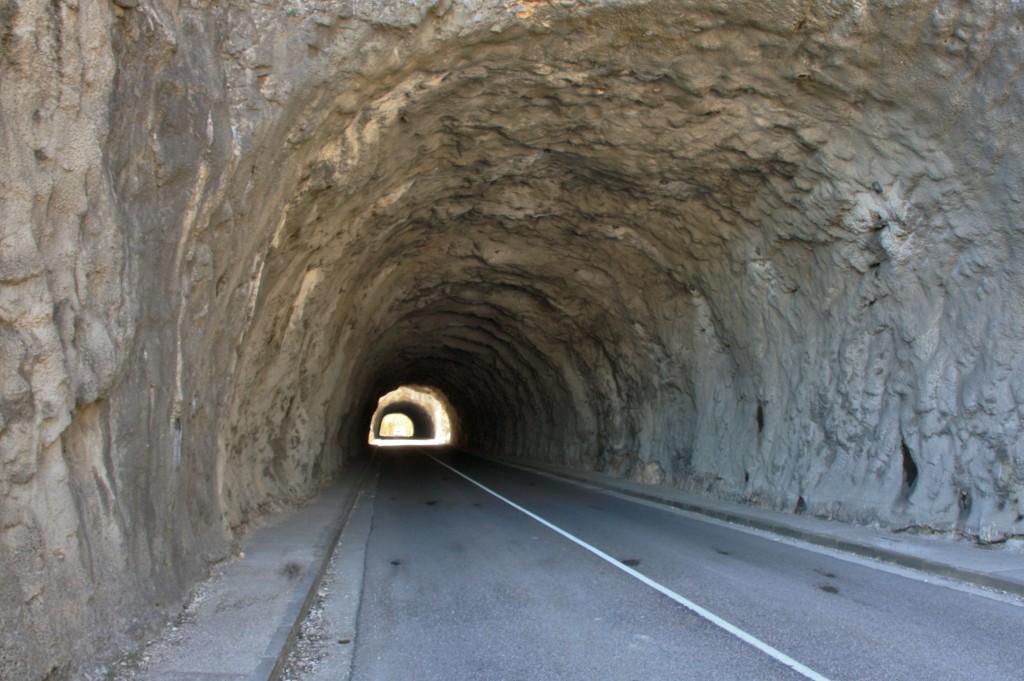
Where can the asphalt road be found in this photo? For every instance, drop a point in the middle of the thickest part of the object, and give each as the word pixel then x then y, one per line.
pixel 460 585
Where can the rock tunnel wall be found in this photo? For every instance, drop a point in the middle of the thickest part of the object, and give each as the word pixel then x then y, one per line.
pixel 765 250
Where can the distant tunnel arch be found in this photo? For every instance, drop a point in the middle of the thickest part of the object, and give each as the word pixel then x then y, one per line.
pixel 428 412
pixel 421 418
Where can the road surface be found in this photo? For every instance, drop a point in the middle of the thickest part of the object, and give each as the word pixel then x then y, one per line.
pixel 461 585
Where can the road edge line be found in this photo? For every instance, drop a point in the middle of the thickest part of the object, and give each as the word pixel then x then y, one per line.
pixel 970 578
pixel 714 619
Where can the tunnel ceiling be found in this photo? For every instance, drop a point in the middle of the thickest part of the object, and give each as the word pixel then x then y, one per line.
pixel 765 250
pixel 722 249
pixel 718 249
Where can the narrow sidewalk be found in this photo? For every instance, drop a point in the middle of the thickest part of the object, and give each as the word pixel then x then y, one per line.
pixel 996 567
pixel 241 621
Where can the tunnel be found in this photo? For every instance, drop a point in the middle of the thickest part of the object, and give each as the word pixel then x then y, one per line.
pixel 420 419
pixel 396 425
pixel 768 251
pixel 418 415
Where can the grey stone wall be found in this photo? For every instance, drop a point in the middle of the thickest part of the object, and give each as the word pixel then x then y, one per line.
pixel 765 250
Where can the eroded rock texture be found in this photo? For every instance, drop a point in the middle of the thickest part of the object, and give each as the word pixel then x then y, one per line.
pixel 766 250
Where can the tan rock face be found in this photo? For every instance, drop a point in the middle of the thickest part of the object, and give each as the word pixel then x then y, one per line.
pixel 764 250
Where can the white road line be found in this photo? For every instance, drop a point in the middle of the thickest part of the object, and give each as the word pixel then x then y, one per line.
pixel 801 669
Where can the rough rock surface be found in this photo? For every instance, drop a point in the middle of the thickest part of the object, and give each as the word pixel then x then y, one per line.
pixel 769 250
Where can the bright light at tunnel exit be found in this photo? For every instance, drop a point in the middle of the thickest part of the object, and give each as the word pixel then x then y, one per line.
pixel 394 421
pixel 397 425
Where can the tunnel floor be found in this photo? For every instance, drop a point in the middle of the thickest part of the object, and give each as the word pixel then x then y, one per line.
pixel 437 576
pixel 460 584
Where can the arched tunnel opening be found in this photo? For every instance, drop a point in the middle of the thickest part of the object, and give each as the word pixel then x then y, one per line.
pixel 421 425
pixel 396 425
pixel 768 252
pixel 412 415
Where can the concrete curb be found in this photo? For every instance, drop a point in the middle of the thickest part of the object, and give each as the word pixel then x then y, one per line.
pixel 276 655
pixel 343 598
pixel 778 526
